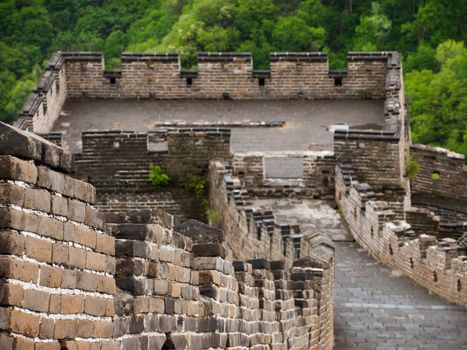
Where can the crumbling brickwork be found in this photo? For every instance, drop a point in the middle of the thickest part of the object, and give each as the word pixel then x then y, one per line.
pixel 71 278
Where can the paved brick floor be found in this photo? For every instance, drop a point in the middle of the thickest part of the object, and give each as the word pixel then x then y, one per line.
pixel 374 309
pixel 307 121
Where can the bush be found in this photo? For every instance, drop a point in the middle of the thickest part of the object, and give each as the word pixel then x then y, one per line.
pixel 412 169
pixel 158 176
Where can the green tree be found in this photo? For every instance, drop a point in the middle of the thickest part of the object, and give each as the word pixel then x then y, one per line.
pixel 372 31
pixel 438 104
pixel 293 34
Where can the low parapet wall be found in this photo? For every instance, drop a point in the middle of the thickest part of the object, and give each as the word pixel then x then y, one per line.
pixel 440 172
pixel 439 265
pixel 278 174
pixel 70 281
pixel 249 233
pixel 218 76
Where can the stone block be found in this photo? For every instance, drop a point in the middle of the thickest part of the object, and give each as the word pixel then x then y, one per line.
pixel 105 244
pixel 12 168
pixel 95 306
pixel 38 249
pixel 11 294
pixel 65 328
pixel 208 250
pixel 11 242
pixel 72 304
pixel 23 323
pixel 36 300
pixel 46 328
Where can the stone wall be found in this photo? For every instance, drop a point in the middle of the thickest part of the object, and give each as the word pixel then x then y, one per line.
pixel 380 157
pixel 218 76
pixel 438 264
pixel 175 290
pixel 117 163
pixel 57 262
pixel 375 156
pixel 441 172
pixel 71 278
pixel 311 176
pixel 250 233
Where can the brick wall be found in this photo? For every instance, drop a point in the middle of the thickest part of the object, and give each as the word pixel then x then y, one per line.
pixel 117 163
pixel 419 251
pixel 315 179
pixel 448 165
pixel 250 233
pixel 71 278
pixel 57 261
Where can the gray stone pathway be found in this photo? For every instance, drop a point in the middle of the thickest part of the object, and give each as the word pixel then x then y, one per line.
pixel 374 309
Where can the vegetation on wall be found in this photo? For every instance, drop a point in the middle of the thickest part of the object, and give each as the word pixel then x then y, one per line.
pixel 431 35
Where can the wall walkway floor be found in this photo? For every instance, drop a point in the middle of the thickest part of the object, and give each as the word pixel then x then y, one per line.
pixel 375 309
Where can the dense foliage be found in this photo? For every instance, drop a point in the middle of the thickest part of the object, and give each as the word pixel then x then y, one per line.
pixel 430 34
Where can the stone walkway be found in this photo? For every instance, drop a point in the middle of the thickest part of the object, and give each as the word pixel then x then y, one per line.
pixel 375 309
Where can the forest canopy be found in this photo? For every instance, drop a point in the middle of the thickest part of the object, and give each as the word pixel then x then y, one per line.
pixel 431 35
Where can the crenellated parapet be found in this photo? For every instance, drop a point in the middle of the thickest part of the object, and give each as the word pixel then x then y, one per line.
pixel 411 240
pixel 219 75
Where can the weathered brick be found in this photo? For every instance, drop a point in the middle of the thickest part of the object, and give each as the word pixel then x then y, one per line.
pixel 46 328
pixel 50 276
pixel 95 306
pixel 50 179
pixel 36 300
pixel 85 236
pixel 13 168
pixel 59 206
pixel 70 279
pixel 39 249
pixel 88 281
pixel 93 218
pixel 11 294
pixel 72 304
pixel 37 199
pixel 76 210
pixel 55 303
pixel 85 328
pixel 65 328
pixel 96 261
pixel 48 346
pixel 11 194
pixel 23 344
pixel 60 254
pixel 11 242
pixel 103 329
pixel 50 227
pixel 23 323
pixel 23 270
pixel 77 257
pixel 105 244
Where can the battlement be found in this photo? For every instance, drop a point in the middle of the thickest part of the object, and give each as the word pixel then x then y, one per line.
pixel 411 240
pixel 219 75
